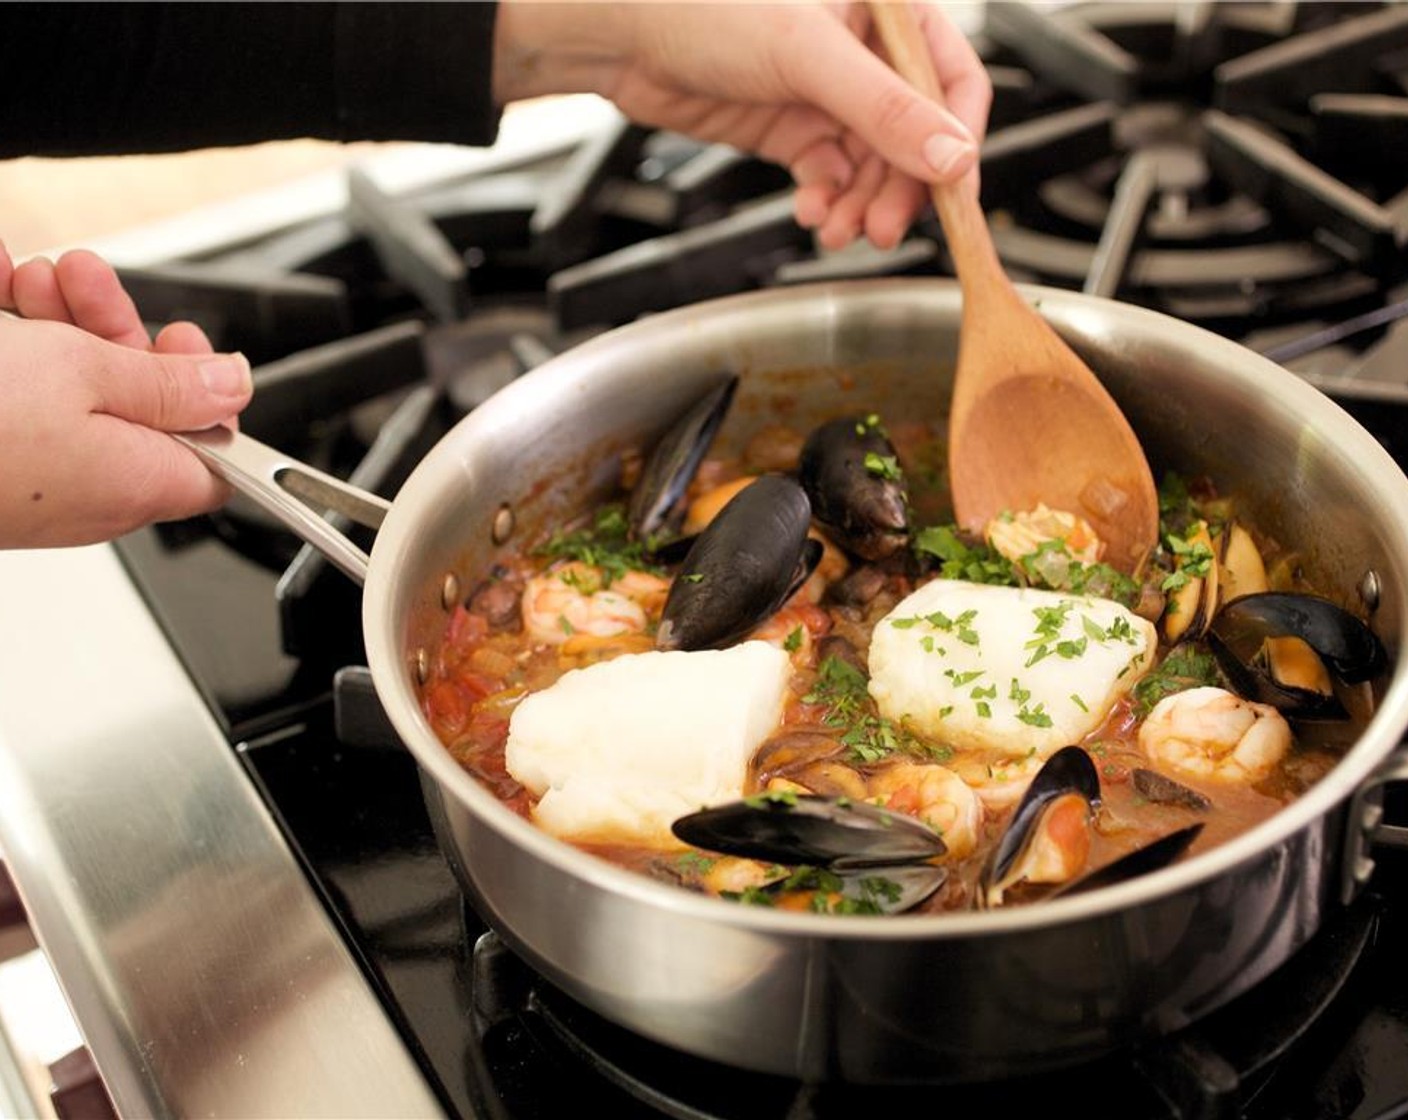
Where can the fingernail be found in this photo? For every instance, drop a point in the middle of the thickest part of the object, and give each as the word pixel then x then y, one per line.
pixel 227 375
pixel 948 155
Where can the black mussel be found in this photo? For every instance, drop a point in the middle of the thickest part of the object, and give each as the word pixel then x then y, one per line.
pixel 798 830
pixel 742 568
pixel 1048 837
pixel 1242 639
pixel 1163 790
pixel 852 476
pixel 657 499
pixel 1151 857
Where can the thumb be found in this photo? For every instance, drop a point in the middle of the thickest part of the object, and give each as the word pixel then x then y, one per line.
pixel 907 129
pixel 170 392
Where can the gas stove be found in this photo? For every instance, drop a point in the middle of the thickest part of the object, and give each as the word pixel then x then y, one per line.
pixel 220 840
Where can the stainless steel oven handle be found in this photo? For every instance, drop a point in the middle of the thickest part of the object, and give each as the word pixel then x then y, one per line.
pixel 295 493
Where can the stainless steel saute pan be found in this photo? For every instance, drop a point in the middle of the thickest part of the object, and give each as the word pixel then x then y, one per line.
pixel 954 996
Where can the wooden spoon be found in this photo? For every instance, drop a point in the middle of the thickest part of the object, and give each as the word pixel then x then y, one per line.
pixel 1030 422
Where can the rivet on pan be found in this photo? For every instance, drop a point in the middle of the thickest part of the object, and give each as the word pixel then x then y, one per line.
pixel 503 524
pixel 1369 589
pixel 422 665
pixel 450 591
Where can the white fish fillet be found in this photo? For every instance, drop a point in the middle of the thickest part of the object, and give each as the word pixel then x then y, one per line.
pixel 1008 669
pixel 620 749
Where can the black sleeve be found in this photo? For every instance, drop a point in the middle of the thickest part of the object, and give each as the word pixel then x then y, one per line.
pixel 111 78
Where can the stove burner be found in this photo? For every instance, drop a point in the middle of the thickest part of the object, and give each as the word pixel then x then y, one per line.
pixel 1241 1061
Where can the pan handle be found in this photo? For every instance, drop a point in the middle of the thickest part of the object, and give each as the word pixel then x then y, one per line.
pixel 291 491
pixel 1366 825
pixel 1395 770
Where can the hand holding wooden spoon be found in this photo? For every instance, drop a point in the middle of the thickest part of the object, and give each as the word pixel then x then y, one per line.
pixel 1030 423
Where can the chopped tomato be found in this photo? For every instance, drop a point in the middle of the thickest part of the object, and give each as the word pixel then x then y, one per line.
pixel 904 800
pixel 466 628
pixel 814 618
pixel 447 704
pixel 476 685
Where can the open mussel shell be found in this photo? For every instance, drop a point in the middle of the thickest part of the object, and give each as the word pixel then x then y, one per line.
pixel 742 568
pixel 879 890
pixel 1069 771
pixel 1238 640
pixel 850 472
pixel 1142 861
pixel 804 830
pixel 673 461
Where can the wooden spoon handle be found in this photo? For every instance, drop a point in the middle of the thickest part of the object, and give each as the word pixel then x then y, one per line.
pixel 965 227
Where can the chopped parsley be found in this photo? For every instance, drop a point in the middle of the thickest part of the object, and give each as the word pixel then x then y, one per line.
pixel 750 896
pixel 960 627
pixel 604 545
pixel 1175 502
pixel 793 642
pixel 883 466
pixel 1194 557
pixel 841 687
pixel 1048 638
pixel 1078 702
pixel 1121 631
pixel 831 894
pixel 784 797
pixel 1185 667
pixel 957 560
pixel 874 894
pixel 1049 620
pixel 696 863
pixel 1034 717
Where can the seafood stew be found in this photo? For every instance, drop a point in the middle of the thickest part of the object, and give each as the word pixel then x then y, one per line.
pixel 785 678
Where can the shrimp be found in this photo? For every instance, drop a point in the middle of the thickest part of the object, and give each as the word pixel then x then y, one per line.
pixel 573 599
pixel 734 875
pixel 1210 733
pixel 998 780
pixel 795 628
pixel 1021 534
pixel 937 796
